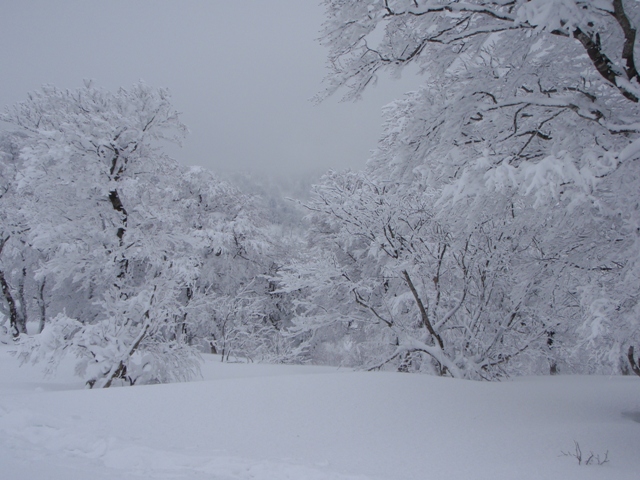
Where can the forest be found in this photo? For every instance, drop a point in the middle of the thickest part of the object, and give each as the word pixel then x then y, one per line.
pixel 494 232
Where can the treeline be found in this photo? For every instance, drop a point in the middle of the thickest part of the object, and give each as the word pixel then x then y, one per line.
pixel 118 255
pixel 495 231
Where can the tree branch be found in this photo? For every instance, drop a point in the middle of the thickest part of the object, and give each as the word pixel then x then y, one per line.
pixel 423 311
pixel 629 39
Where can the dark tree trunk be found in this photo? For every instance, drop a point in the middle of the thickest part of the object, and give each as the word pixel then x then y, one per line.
pixel 6 293
pixel 116 203
pixel 633 361
pixel 42 304
pixel 13 311
pixel 22 312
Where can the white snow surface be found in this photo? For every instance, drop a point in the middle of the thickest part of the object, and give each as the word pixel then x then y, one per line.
pixel 264 422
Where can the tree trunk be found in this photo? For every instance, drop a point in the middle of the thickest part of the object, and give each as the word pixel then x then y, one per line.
pixel 423 311
pixel 116 203
pixel 22 312
pixel 121 370
pixel 42 305
pixel 13 311
pixel 635 363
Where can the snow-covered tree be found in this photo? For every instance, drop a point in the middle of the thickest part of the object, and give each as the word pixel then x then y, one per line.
pixel 528 117
pixel 93 185
pixel 15 255
pixel 144 261
pixel 230 307
pixel 387 275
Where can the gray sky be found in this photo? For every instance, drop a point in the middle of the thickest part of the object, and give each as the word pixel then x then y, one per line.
pixel 242 74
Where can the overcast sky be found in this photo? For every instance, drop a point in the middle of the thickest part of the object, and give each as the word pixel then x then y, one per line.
pixel 242 74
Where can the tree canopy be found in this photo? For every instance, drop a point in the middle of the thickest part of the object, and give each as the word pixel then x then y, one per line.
pixel 521 149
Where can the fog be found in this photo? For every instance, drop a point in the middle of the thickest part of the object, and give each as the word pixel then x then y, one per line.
pixel 242 74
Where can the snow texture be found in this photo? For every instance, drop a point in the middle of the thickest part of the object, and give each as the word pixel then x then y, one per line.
pixel 252 421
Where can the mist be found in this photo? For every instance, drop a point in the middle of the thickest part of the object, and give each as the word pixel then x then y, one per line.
pixel 242 74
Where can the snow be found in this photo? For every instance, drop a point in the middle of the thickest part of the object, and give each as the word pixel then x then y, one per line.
pixel 263 422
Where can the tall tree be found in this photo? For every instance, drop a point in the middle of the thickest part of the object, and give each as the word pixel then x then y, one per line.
pixel 144 261
pixel 529 117
pixel 12 241
pixel 93 183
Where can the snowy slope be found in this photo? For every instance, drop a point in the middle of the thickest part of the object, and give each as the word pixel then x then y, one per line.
pixel 248 421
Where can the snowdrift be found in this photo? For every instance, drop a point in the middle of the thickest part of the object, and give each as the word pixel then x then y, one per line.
pixel 249 421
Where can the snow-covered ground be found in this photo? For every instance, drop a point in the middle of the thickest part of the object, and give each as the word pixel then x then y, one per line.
pixel 259 422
